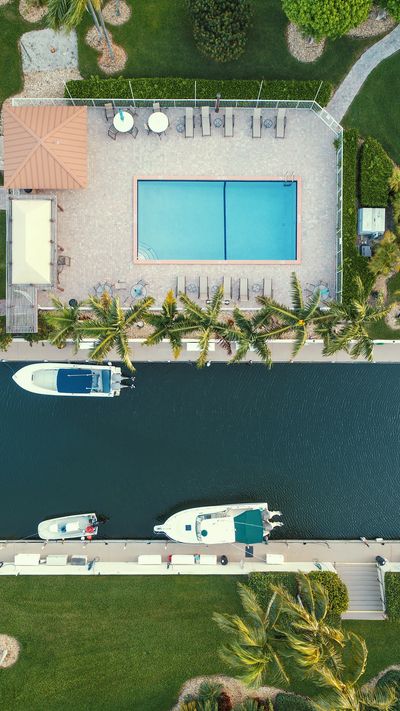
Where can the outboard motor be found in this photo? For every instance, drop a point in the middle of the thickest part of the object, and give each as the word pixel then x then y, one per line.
pixel 380 560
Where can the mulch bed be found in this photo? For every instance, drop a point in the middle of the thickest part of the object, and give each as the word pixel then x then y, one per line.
pixel 110 12
pixel 106 64
pixel 11 645
pixel 32 12
pixel 372 26
pixel 299 46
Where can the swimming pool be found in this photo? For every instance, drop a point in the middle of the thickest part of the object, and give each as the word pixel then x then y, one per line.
pixel 216 220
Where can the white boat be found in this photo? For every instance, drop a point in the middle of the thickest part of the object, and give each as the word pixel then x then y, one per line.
pixel 229 523
pixel 78 526
pixel 70 379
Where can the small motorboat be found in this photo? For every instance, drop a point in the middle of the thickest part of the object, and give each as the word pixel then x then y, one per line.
pixel 83 526
pixel 79 380
pixel 230 523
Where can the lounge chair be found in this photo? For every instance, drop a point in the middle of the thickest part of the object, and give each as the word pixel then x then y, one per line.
pixel 205 121
pixel 189 122
pixel 156 106
pixel 109 111
pixel 243 289
pixel 227 283
pixel 134 131
pixel 280 124
pixel 229 122
pixel 267 287
pixel 203 288
pixel 112 132
pixel 180 285
pixel 256 123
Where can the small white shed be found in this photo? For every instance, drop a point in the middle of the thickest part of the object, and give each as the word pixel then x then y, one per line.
pixel 371 221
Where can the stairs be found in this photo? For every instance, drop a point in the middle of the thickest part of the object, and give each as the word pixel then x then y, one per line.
pixel 364 591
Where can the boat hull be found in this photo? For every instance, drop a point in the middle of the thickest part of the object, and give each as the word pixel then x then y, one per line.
pixel 24 377
pixel 68 527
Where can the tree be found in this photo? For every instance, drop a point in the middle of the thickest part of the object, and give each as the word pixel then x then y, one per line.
pixel 220 27
pixel 386 257
pixel 392 6
pixel 247 334
pixel 68 14
pixel 168 323
pixel 206 322
pixel 350 322
pixel 110 326
pixel 296 319
pixel 326 18
pixel 394 180
pixel 257 650
pixel 63 323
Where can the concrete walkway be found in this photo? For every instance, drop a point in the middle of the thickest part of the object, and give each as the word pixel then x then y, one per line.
pixel 359 72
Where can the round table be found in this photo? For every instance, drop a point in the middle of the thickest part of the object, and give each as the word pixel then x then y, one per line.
pixel 123 125
pixel 323 290
pixel 180 127
pixel 158 122
pixel 267 123
pixel 138 291
pixel 218 122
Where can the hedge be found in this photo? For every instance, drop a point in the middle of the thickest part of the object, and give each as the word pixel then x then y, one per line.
pixel 375 171
pixel 353 262
pixel 176 88
pixel 338 597
pixel 290 702
pixel 391 678
pixel 392 591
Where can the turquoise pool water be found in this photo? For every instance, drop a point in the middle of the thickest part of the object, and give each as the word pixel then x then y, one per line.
pixel 190 220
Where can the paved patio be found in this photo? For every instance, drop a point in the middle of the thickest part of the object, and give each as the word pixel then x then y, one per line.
pixel 95 226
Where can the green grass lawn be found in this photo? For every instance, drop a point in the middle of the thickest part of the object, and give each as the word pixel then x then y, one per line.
pixel 2 254
pixel 376 109
pixel 110 643
pixel 159 41
pixel 381 330
pixel 126 642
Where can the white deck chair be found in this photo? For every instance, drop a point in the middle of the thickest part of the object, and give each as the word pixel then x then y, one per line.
pixel 243 289
pixel 180 285
pixel 227 283
pixel 205 121
pixel 280 125
pixel 203 288
pixel 256 123
pixel 229 122
pixel 267 287
pixel 189 122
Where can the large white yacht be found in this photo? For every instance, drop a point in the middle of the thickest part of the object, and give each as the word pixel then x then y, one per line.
pixel 70 379
pixel 229 523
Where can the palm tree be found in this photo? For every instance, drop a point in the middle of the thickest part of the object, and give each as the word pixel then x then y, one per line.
pixel 246 333
pixel 68 14
pixel 64 323
pixel 342 689
pixel 386 257
pixel 296 319
pixel 168 323
pixel 110 326
pixel 258 647
pixel 348 328
pixel 206 322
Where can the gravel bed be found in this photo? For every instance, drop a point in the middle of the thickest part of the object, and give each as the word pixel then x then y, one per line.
pixel 372 27
pixel 236 690
pixel 110 16
pixel 11 645
pixel 32 12
pixel 299 46
pixel 107 65
pixel 45 50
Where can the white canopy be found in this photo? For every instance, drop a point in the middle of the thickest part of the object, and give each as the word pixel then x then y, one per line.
pixel 371 220
pixel 31 241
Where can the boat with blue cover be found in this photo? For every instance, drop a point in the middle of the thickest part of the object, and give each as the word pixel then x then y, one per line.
pixel 229 523
pixel 70 379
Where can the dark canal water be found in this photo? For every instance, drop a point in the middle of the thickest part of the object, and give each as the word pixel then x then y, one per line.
pixel 319 442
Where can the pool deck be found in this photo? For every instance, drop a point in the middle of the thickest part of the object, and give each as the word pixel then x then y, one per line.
pixel 95 226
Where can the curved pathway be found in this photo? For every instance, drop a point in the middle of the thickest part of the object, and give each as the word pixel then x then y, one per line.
pixel 357 75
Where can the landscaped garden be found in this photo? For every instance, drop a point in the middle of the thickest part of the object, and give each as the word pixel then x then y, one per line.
pixel 129 642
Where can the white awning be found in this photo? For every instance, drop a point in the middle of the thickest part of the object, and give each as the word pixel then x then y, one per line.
pixel 371 220
pixel 31 242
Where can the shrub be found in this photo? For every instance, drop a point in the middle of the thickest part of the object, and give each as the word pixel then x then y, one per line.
pixel 375 171
pixel 290 702
pixel 326 18
pixel 394 180
pixel 5 338
pixel 393 7
pixel 392 591
pixel 261 583
pixel 353 262
pixel 177 88
pixel 386 257
pixel 391 678
pixel 396 213
pixel 220 27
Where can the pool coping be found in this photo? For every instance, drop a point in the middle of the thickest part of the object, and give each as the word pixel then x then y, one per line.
pixel 254 178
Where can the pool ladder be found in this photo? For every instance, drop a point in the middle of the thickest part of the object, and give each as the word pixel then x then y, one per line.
pixel 288 178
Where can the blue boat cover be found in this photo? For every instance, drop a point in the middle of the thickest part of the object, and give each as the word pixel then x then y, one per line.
pixel 106 380
pixel 74 381
pixel 249 527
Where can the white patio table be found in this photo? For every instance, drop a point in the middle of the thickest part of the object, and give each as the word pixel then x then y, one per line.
pixel 123 125
pixel 158 122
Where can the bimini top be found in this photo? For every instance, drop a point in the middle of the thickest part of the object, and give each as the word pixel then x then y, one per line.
pixel 45 147
pixel 249 527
